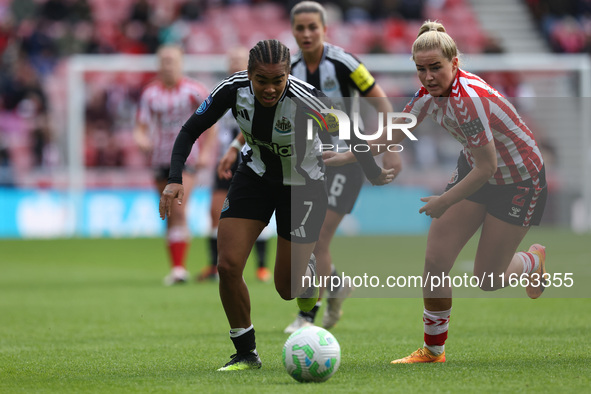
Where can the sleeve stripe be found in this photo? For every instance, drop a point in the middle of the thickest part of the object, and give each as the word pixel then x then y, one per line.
pixel 293 79
pixel 304 87
pixel 475 105
pixel 343 57
pixel 307 97
pixel 238 77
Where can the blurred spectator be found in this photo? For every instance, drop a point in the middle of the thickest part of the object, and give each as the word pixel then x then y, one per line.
pixel 43 148
pixel 97 115
pixel 23 9
pixel 584 8
pixel 98 44
pixel 411 9
pixel 141 11
pixel 22 94
pixel 54 10
pixel 358 11
pixel 37 45
pixel 492 45
pixel 131 38
pixel 103 150
pixel 564 23
pixel 19 84
pixel 558 8
pixel 78 11
pixel 191 10
pixel 567 36
pixel 77 38
pixel 6 177
pixel 150 38
pixel 100 150
pixel 6 33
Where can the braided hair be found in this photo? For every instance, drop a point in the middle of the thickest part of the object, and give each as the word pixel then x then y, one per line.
pixel 269 52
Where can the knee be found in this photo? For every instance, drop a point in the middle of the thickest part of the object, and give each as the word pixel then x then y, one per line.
pixel 224 269
pixel 227 269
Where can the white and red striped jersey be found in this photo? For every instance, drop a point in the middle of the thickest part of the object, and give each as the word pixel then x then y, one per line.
pixel 165 110
pixel 475 114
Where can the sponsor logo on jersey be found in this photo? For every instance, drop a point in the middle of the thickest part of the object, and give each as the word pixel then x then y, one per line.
pixel 281 150
pixel 283 125
pixel 204 105
pixel 332 123
pixel 362 78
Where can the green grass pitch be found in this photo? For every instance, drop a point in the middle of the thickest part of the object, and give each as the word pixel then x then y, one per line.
pixel 82 316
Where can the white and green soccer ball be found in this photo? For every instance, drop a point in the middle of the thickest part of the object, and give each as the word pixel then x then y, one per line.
pixel 311 354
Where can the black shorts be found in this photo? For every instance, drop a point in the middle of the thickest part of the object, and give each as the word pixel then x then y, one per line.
pixel 343 184
pixel 299 210
pixel 223 184
pixel 520 203
pixel 161 173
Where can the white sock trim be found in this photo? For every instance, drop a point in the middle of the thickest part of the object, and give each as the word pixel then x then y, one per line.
pixel 525 259
pixel 178 234
pixel 236 332
pixel 435 349
pixel 436 322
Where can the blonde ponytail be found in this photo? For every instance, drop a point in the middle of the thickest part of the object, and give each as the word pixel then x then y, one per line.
pixel 432 35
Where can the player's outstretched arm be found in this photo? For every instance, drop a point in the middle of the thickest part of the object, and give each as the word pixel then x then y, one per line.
pixel 207 148
pixel 170 192
pixel 384 178
pixel 485 167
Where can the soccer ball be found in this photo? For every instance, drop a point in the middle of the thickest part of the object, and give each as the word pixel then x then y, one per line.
pixel 311 354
